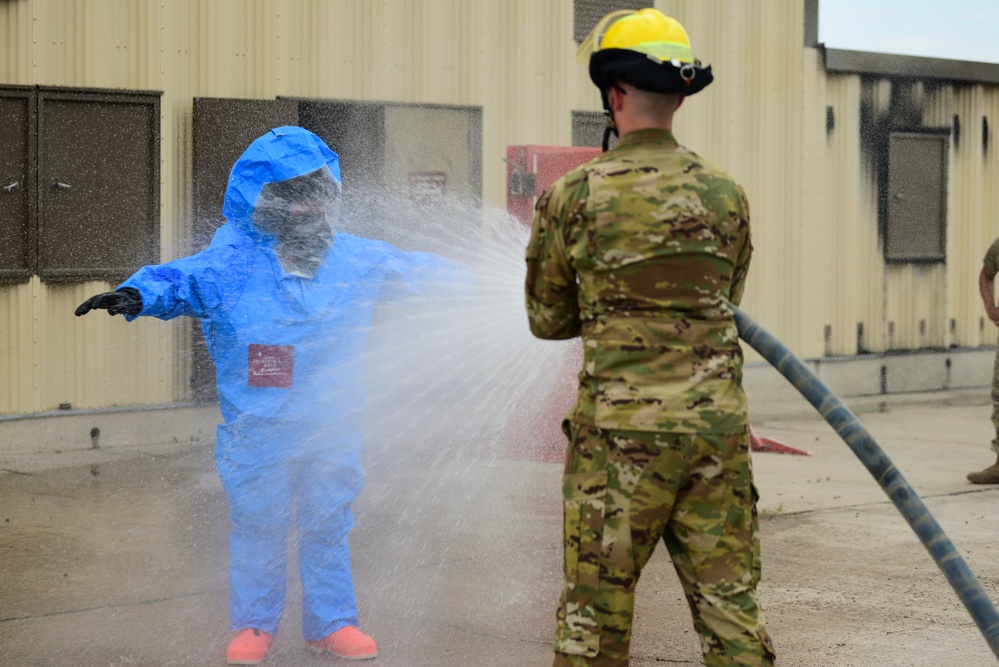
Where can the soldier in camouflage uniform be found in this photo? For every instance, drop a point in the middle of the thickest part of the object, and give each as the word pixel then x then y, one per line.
pixel 986 287
pixel 638 251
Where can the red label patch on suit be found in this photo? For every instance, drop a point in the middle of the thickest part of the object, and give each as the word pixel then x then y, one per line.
pixel 271 365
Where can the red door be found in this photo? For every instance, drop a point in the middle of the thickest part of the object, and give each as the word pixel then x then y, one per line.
pixel 530 170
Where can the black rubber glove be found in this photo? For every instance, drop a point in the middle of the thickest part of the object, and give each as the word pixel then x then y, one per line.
pixel 127 300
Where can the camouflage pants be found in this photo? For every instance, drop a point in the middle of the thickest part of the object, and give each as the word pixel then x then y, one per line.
pixel 622 492
pixel 995 401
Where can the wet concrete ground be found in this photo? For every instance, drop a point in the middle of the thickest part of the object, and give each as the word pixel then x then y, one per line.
pixel 122 560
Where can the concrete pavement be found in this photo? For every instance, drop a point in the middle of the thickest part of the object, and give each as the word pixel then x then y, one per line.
pixel 119 558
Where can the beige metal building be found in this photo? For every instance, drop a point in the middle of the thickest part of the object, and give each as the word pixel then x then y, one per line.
pixel 871 178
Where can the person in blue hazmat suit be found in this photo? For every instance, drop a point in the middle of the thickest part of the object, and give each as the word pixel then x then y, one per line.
pixel 285 305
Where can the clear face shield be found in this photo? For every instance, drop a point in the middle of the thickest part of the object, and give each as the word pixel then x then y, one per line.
pixel 301 213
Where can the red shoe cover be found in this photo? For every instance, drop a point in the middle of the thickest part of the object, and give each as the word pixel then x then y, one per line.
pixel 349 643
pixel 250 647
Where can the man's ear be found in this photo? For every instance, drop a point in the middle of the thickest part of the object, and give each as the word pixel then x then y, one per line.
pixel 616 94
pixel 679 102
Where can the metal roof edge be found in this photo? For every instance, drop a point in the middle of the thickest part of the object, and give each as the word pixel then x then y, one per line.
pixel 888 64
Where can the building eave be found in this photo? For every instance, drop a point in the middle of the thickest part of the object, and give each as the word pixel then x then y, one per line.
pixel 842 61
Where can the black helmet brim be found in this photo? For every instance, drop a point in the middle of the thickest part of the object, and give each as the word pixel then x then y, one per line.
pixel 610 66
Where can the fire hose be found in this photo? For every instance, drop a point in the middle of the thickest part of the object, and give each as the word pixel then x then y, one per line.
pixel 891 480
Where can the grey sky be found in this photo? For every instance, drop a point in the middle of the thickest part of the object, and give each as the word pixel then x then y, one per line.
pixel 954 30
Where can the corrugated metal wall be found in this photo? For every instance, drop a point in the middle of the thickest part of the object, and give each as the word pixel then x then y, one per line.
pixel 817 276
pixel 847 282
pixel 909 305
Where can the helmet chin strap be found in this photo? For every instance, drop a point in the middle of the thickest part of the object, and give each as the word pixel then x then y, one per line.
pixel 607 130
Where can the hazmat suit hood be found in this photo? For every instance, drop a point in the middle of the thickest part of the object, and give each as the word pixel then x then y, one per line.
pixel 266 198
pixel 281 154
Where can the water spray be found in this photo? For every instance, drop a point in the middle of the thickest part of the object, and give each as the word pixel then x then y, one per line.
pixel 891 480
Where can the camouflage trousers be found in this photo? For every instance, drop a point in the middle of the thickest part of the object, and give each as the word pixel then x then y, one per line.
pixel 623 491
pixel 995 401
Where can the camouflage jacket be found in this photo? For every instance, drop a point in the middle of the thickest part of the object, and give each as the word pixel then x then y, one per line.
pixel 637 251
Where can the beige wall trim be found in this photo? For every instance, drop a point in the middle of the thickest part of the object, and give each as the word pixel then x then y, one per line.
pixel 873 377
pixel 85 437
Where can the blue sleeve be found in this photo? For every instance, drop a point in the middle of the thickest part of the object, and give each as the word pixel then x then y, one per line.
pixel 192 286
pixel 420 271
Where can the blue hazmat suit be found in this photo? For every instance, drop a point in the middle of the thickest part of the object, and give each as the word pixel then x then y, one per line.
pixel 288 352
